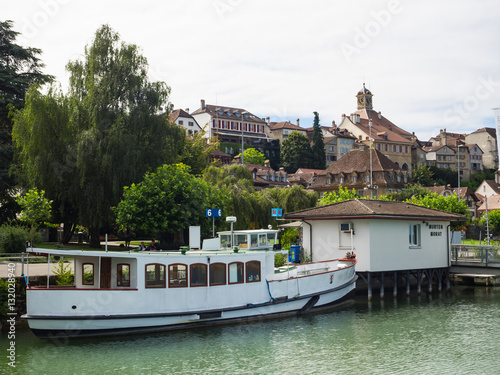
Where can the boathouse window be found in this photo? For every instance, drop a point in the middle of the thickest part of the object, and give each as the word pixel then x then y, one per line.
pixel 218 274
pixel 123 274
pixel 177 275
pixel 155 275
pixel 198 274
pixel 253 271
pixel 88 273
pixel 414 235
pixel 254 240
pixel 235 273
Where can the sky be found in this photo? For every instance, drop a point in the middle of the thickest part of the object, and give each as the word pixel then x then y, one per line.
pixel 430 65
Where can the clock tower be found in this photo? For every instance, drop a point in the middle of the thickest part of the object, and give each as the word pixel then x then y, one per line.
pixel 364 98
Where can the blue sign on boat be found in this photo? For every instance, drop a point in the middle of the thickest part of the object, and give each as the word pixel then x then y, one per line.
pixel 277 212
pixel 214 212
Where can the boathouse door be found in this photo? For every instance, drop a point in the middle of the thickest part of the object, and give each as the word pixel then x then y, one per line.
pixel 105 273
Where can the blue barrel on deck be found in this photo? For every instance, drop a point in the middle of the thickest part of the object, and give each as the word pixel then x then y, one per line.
pixel 294 254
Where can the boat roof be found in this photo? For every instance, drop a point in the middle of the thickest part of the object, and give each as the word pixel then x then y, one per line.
pixel 135 254
pixel 249 231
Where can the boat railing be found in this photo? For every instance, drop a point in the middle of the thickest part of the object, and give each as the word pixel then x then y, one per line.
pixel 482 254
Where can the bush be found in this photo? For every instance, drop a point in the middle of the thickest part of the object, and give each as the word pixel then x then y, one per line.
pixel 13 238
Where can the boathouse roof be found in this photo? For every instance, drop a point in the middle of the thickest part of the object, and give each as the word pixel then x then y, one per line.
pixel 365 208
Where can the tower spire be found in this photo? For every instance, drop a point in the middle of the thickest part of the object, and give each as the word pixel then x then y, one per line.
pixel 364 98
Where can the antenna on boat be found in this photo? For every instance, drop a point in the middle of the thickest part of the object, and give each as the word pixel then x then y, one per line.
pixel 231 219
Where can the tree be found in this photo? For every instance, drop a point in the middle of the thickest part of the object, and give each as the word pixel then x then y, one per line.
pixel 422 175
pixel 35 208
pixel 410 190
pixel 20 67
pixel 444 176
pixel 318 148
pixel 438 202
pixel 196 153
pixel 493 220
pixel 295 152
pixel 343 194
pixel 116 130
pixel 168 201
pixel 253 156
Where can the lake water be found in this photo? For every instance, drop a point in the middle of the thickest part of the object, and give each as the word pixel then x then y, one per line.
pixel 453 333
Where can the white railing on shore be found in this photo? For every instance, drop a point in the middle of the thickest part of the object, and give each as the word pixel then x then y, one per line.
pixel 482 254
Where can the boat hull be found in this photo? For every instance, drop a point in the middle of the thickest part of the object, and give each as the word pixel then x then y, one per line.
pixel 57 327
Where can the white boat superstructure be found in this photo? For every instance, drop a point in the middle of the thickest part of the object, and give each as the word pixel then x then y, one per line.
pixel 127 291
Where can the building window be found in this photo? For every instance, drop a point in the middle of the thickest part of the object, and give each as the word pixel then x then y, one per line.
pixel 177 275
pixel 155 275
pixel 330 148
pixel 217 274
pixel 88 273
pixel 235 273
pixel 190 123
pixel 181 122
pixel 414 235
pixel 123 274
pixel 198 275
pixel 253 271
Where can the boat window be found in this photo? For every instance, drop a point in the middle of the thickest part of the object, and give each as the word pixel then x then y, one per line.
pixel 225 240
pixel 263 240
pixel 198 274
pixel 235 273
pixel 155 275
pixel 253 271
pixel 271 238
pixel 88 274
pixel 177 275
pixel 254 239
pixel 240 240
pixel 217 274
pixel 123 274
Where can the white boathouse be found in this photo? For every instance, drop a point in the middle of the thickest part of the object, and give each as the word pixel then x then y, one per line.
pixel 394 239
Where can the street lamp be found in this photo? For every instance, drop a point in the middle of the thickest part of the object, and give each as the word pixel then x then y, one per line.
pixel 458 168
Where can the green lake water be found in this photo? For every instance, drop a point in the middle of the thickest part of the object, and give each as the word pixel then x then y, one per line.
pixel 453 333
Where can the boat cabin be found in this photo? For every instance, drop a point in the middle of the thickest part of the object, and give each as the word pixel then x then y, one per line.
pixel 257 239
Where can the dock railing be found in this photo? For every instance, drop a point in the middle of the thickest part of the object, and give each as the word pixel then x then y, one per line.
pixel 482 254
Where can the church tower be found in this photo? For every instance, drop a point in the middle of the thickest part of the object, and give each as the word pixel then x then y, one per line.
pixel 364 98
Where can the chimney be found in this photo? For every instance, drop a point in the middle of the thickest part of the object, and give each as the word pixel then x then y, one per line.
pixel 268 120
pixel 380 115
pixel 267 164
pixel 298 122
pixel 202 103
pixel 282 169
pixel 187 110
pixel 333 124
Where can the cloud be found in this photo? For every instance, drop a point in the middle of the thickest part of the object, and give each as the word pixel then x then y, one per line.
pixel 425 62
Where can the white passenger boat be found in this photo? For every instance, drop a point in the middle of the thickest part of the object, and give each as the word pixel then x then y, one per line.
pixel 117 292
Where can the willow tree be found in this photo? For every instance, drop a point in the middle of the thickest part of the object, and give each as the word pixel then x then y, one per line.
pixel 118 132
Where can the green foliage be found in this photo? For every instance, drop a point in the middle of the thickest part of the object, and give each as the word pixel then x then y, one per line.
pixel 407 193
pixel 196 153
pixel 295 152
pixel 422 175
pixel 444 176
pixel 493 221
pixel 167 201
pixel 252 156
pixel 438 202
pixel 103 135
pixel 280 260
pixel 343 194
pixel 35 208
pixel 318 157
pixel 477 178
pixel 13 238
pixel 20 67
pixel 63 273
pixel 289 237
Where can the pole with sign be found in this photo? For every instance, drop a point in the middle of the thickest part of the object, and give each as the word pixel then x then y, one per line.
pixel 213 213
